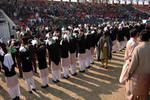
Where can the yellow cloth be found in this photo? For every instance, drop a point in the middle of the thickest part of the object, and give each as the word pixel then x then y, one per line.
pixel 104 52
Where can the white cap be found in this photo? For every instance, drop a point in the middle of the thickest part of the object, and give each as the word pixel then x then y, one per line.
pixel 69 27
pixel 34 42
pixel 105 29
pixel 63 29
pixel 21 33
pixel 47 35
pixel 46 28
pixel 79 25
pixel 22 49
pixel 55 38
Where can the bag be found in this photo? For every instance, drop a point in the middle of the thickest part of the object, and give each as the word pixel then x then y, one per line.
pixel 124 73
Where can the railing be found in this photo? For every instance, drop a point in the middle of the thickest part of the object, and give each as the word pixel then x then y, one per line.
pixel 11 23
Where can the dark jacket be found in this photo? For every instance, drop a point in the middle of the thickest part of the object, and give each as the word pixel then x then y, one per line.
pixel 9 73
pixel 41 56
pixel 87 41
pixel 54 52
pixel 72 45
pixel 81 44
pixel 64 48
pixel 26 61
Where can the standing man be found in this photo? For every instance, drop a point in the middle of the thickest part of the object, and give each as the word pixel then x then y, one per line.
pixel 72 52
pixel 26 61
pixel 10 76
pixel 42 64
pixel 139 70
pixel 113 36
pixel 64 49
pixel 81 51
pixel 53 47
pixel 131 44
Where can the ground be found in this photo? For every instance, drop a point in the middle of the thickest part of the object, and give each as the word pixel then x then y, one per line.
pixel 96 83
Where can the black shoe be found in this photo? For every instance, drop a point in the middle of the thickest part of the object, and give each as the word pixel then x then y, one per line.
pixel 47 85
pixel 17 98
pixel 43 87
pixel 58 80
pixel 30 92
pixel 34 90
pixel 98 59
pixel 121 50
pixel 74 74
pixel 66 77
pixel 82 71
pixel 88 67
pixel 14 98
pixel 54 81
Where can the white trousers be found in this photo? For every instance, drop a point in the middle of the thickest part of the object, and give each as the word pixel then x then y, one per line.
pixel 87 61
pixel 91 59
pixel 82 65
pixel 65 71
pixel 88 58
pixel 45 80
pixel 121 45
pixel 56 75
pixel 114 47
pixel 73 68
pixel 14 92
pixel 29 82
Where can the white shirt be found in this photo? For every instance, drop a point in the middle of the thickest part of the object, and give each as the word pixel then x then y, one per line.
pixel 131 44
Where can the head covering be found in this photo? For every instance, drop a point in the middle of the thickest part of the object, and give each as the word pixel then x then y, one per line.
pixel 8 61
pixel 48 42
pixel 66 37
pixel 34 42
pixel 22 49
pixel 55 38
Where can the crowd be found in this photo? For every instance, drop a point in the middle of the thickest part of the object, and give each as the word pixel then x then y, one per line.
pixel 42 36
pixel 62 49
pixel 57 13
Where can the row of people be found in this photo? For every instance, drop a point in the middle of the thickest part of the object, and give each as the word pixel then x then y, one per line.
pixel 62 50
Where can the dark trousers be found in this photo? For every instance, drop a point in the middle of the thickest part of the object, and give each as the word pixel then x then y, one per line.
pixel 34 64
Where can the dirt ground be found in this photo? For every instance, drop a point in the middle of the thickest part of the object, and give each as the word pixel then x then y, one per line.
pixel 96 83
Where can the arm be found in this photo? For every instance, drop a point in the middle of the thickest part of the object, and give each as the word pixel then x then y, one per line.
pixel 134 62
pixel 126 53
